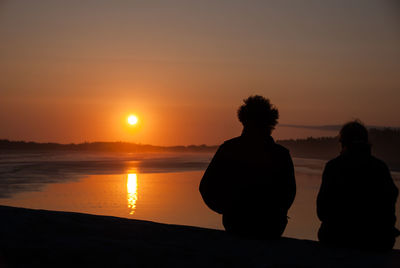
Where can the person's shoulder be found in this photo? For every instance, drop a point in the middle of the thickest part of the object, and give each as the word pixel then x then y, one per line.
pixel 378 162
pixel 338 160
pixel 231 142
pixel 231 145
pixel 281 149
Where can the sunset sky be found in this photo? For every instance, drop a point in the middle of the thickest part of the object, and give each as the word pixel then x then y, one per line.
pixel 73 71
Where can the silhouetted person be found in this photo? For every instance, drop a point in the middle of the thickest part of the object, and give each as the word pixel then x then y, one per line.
pixel 356 201
pixel 250 180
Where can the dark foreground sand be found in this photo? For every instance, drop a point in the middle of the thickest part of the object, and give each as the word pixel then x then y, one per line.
pixel 40 238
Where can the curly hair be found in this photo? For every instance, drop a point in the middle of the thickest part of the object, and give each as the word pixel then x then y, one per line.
pixel 257 111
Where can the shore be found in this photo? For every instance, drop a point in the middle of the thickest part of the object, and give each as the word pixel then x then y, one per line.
pixel 40 238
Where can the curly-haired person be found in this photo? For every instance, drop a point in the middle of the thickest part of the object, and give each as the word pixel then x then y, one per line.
pixel 250 180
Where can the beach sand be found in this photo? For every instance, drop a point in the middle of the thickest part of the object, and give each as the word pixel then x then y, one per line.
pixel 40 238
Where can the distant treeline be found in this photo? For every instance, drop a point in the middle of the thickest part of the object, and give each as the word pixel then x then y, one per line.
pixel 101 146
pixel 385 145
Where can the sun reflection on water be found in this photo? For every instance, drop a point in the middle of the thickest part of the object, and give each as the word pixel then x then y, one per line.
pixel 132 196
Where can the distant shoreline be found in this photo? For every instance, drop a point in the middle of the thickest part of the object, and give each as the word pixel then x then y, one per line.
pixel 385 145
pixel 101 147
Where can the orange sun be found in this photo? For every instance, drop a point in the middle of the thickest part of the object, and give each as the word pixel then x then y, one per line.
pixel 132 120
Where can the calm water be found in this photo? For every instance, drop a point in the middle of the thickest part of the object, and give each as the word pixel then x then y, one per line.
pixel 155 187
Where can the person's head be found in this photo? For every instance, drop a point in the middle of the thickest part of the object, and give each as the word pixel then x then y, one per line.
pixel 353 133
pixel 258 113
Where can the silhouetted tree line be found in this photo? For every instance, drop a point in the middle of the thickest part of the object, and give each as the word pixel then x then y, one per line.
pixel 100 146
pixel 321 148
pixel 385 145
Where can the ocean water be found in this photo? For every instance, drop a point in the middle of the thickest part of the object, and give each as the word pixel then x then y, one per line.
pixel 155 187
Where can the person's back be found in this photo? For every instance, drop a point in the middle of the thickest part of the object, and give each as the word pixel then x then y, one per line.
pixel 356 201
pixel 251 182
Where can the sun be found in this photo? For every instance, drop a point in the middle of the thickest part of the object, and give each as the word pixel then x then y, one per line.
pixel 132 120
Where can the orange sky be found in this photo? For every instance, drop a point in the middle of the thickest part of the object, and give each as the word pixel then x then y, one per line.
pixel 73 70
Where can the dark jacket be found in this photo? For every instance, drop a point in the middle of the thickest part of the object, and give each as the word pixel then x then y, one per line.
pixel 356 201
pixel 250 180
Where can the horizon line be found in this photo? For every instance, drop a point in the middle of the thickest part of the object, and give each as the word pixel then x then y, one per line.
pixel 316 127
pixel 335 127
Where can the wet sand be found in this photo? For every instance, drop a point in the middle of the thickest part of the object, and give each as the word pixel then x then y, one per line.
pixel 40 238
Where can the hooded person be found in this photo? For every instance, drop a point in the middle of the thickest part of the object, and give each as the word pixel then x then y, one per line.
pixel 357 197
